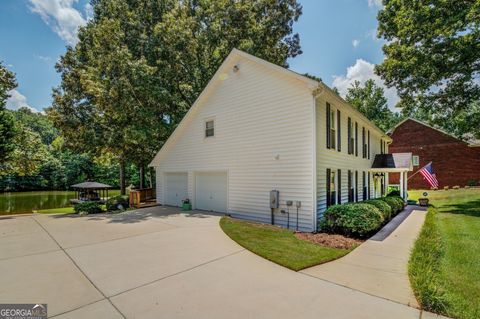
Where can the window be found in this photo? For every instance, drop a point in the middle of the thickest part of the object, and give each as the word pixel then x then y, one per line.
pixel 209 128
pixel 350 136
pixel 332 129
pixel 331 194
pixel 416 160
pixel 350 186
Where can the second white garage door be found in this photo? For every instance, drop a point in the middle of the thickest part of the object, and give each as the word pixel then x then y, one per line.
pixel 211 191
pixel 176 188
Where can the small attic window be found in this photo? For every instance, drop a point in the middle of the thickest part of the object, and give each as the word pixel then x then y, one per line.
pixel 416 160
pixel 209 128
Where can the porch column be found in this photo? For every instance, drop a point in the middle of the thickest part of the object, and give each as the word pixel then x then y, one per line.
pixel 406 185
pixel 401 185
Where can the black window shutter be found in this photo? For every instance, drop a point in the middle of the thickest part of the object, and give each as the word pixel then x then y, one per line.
pixel 364 151
pixel 368 185
pixel 356 139
pixel 339 186
pixel 328 187
pixel 349 184
pixel 328 125
pixel 356 186
pixel 381 146
pixel 364 186
pixel 339 133
pixel 368 148
pixel 349 134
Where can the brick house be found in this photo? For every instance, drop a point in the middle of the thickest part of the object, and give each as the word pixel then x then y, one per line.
pixel 455 162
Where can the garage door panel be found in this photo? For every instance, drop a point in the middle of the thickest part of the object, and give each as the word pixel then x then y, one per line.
pixel 176 185
pixel 211 191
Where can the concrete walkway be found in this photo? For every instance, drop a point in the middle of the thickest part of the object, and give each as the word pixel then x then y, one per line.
pixel 378 268
pixel 160 263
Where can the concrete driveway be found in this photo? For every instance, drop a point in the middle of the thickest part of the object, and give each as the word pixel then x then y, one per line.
pixel 161 263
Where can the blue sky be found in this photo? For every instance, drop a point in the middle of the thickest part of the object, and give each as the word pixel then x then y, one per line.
pixel 337 37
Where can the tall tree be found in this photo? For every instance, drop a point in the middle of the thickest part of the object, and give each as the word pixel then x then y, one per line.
pixel 432 53
pixel 7 125
pixel 139 65
pixel 370 100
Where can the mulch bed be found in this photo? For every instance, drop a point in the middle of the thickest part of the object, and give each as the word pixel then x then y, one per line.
pixel 330 240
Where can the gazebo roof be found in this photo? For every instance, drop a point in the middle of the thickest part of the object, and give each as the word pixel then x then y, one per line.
pixel 91 185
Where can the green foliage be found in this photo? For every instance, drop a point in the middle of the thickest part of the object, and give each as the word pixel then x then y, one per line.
pixel 432 57
pixel 394 192
pixel 114 203
pixel 394 203
pixel 7 125
pixel 382 206
pixel 278 245
pixel 370 100
pixel 88 208
pixel 138 66
pixel 357 219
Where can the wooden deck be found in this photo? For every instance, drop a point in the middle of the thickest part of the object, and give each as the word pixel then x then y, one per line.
pixel 140 198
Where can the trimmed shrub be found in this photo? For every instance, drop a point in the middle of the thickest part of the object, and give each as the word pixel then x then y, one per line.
pixel 383 207
pixel 88 208
pixel 393 203
pixel 117 202
pixel 394 192
pixel 358 219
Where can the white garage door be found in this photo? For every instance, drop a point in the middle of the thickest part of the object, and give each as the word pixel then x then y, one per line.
pixel 176 188
pixel 211 192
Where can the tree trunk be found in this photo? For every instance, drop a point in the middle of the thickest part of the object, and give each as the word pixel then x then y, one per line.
pixel 122 177
pixel 142 176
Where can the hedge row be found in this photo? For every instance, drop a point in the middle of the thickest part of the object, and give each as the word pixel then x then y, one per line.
pixel 119 202
pixel 360 219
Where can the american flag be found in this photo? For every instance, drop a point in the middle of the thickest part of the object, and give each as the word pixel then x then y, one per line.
pixel 429 175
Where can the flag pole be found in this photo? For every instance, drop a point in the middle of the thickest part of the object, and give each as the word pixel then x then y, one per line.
pixel 419 170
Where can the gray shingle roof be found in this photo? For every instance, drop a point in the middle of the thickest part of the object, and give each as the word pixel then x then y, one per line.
pixel 395 160
pixel 91 185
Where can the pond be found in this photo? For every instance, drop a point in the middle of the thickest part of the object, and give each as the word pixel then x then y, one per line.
pixel 26 202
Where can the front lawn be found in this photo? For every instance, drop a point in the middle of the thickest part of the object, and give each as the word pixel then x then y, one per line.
pixel 278 245
pixel 444 266
pixel 63 210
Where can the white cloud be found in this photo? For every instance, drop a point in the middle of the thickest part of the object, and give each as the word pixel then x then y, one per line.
pixel 362 71
pixel 355 43
pixel 375 3
pixel 89 11
pixel 43 58
pixel 60 16
pixel 18 100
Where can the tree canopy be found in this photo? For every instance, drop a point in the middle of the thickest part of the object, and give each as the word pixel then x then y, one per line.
pixel 139 65
pixel 370 100
pixel 432 53
pixel 7 125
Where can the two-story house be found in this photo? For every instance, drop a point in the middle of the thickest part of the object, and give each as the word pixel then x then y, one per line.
pixel 258 127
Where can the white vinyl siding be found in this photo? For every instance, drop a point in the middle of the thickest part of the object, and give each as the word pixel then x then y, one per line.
pixel 341 160
pixel 263 132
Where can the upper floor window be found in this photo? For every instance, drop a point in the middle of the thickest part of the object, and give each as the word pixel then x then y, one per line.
pixel 351 138
pixel 416 160
pixel 209 128
pixel 332 129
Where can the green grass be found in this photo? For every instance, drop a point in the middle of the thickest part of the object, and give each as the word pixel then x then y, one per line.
pixel 63 210
pixel 444 267
pixel 278 245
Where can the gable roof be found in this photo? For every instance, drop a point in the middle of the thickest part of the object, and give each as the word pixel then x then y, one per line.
pixel 471 144
pixel 316 87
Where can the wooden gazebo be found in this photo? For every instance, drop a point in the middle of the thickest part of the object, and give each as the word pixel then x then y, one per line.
pixel 90 191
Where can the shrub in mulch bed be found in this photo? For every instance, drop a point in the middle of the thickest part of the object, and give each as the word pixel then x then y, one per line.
pixel 330 240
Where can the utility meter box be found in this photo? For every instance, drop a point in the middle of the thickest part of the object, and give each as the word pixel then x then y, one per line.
pixel 274 199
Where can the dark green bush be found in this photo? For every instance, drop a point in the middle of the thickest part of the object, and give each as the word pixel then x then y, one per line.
pixel 356 219
pixel 88 208
pixel 393 203
pixel 383 207
pixel 394 192
pixel 117 202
